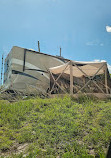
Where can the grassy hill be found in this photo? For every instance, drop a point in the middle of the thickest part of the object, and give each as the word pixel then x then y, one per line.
pixel 55 128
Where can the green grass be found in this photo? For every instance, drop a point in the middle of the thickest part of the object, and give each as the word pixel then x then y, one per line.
pixel 57 127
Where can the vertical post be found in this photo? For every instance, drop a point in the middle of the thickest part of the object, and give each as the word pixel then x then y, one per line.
pixel 24 60
pixel 38 47
pixel 60 51
pixel 71 78
pixel 2 70
pixel 84 81
pixel 106 82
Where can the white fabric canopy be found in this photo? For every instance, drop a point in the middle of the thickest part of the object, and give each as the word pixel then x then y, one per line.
pixel 89 68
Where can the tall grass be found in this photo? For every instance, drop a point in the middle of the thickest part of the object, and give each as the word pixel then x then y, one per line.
pixel 58 127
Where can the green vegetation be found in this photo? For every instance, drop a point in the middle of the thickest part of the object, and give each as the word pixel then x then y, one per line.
pixel 55 128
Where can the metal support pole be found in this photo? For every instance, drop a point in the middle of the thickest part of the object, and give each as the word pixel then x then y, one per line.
pixel 2 70
pixel 60 51
pixel 38 46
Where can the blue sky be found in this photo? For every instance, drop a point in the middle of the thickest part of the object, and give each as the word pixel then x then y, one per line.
pixel 78 26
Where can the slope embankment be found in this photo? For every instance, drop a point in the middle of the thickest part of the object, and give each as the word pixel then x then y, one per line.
pixel 55 127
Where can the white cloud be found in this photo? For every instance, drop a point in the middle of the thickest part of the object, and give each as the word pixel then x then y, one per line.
pixel 97 60
pixel 94 43
pixel 103 61
pixel 108 28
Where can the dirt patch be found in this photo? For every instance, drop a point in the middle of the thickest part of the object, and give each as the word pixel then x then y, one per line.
pixel 15 149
